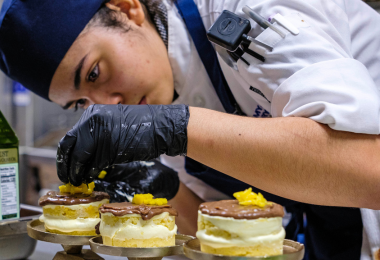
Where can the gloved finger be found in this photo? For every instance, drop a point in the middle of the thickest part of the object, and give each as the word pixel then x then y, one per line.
pixel 100 134
pixel 147 177
pixel 90 128
pixel 83 167
pixel 118 172
pixel 103 156
pixel 81 162
pixel 88 159
pixel 77 172
pixel 92 172
pixel 65 147
pixel 118 191
pixel 160 180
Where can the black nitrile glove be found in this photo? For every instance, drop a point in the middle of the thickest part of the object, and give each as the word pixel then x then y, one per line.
pixel 114 134
pixel 124 180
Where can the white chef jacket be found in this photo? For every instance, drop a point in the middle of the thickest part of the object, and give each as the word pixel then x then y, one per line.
pixel 329 72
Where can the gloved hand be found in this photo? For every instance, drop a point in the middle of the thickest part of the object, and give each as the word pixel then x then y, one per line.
pixel 113 134
pixel 124 180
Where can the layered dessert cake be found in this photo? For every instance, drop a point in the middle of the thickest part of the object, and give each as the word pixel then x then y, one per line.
pixel 73 210
pixel 247 226
pixel 146 222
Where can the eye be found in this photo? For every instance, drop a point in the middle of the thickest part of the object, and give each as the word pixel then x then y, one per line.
pixel 94 74
pixel 79 104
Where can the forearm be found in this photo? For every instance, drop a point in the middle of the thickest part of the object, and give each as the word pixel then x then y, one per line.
pixel 187 203
pixel 295 158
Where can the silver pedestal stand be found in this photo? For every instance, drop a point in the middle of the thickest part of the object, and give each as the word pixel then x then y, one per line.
pixel 292 251
pixel 151 253
pixel 72 245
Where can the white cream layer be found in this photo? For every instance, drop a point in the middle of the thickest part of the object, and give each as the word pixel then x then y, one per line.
pixel 80 206
pixel 244 232
pixel 70 225
pixel 145 229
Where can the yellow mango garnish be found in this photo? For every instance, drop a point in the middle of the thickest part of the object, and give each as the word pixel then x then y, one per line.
pixel 249 198
pixel 84 188
pixel 102 174
pixel 148 199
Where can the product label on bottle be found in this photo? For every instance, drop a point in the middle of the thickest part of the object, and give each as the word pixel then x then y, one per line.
pixel 9 206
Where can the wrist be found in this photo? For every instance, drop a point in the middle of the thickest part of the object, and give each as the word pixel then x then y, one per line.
pixel 170 123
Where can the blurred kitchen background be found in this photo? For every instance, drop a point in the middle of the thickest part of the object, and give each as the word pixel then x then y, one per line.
pixel 374 3
pixel 39 125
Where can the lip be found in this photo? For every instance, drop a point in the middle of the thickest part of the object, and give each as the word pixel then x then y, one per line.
pixel 143 101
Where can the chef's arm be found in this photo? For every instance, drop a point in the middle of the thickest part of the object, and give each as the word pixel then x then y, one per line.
pixel 186 203
pixel 295 158
pixel 292 157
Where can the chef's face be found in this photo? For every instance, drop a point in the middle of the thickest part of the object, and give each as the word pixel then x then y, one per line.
pixel 105 65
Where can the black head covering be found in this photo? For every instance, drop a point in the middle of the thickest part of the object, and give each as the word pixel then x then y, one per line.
pixel 35 35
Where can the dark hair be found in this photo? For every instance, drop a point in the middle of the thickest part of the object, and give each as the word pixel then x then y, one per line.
pixel 109 18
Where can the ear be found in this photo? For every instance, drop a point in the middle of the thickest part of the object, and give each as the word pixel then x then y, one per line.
pixel 132 8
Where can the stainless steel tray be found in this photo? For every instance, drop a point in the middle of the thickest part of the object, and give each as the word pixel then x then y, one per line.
pixel 292 251
pixel 36 230
pixel 72 245
pixel 14 240
pixel 151 253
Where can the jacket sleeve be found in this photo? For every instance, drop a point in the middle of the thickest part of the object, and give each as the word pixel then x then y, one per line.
pixel 339 93
pixel 313 74
pixel 364 24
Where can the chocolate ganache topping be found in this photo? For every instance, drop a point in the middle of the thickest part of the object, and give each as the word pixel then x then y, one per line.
pixel 58 198
pixel 146 211
pixel 232 209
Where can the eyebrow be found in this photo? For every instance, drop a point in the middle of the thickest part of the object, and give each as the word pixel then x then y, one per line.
pixel 78 71
pixel 77 80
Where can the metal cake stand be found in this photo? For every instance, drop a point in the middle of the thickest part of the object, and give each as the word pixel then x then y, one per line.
pixel 72 245
pixel 292 251
pixel 150 253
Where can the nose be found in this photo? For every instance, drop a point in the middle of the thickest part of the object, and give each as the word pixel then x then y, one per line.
pixel 106 99
pixel 115 99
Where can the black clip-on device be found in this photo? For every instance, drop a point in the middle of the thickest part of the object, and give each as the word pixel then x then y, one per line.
pixel 230 31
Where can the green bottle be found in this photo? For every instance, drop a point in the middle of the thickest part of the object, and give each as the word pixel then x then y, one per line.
pixel 9 182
